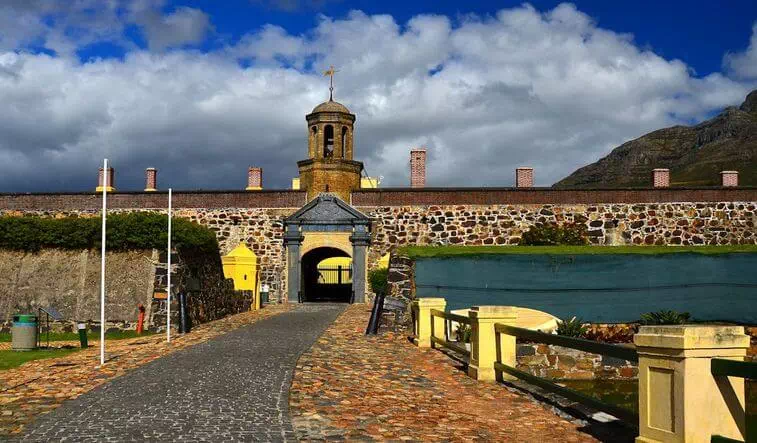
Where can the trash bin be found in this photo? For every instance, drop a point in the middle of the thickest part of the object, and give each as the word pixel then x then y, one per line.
pixel 83 335
pixel 264 295
pixel 24 332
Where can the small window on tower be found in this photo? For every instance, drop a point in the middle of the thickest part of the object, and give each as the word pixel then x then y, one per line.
pixel 344 141
pixel 328 138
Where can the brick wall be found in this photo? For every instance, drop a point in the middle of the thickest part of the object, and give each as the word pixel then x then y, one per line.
pixel 153 200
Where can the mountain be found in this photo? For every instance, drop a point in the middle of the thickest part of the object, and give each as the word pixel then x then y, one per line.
pixel 695 155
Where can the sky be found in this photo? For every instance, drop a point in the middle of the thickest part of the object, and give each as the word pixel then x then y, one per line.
pixel 201 90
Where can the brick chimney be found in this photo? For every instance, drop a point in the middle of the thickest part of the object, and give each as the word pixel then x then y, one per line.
pixel 151 180
pixel 254 179
pixel 417 168
pixel 109 178
pixel 661 178
pixel 729 179
pixel 524 177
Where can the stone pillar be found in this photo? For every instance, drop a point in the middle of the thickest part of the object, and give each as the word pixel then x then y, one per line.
pixel 360 239
pixel 107 178
pixel 422 326
pixel 417 168
pixel 679 399
pixel 524 177
pixel 485 347
pixel 151 180
pixel 729 178
pixel 254 179
pixel 661 178
pixel 292 242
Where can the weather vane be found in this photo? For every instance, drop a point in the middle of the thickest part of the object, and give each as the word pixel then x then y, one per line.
pixel 330 72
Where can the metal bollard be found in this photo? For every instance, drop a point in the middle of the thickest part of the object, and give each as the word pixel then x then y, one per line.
pixel 83 335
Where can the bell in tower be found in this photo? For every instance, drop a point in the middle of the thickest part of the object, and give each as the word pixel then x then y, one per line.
pixel 330 167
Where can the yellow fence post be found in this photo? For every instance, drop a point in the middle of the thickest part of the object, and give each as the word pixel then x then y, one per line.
pixel 422 327
pixel 484 343
pixel 679 399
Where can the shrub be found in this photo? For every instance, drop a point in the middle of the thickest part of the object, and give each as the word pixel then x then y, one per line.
pixel 129 231
pixel 463 333
pixel 665 317
pixel 551 234
pixel 611 333
pixel 571 328
pixel 378 280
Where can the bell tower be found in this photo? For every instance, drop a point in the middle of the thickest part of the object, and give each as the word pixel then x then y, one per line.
pixel 329 166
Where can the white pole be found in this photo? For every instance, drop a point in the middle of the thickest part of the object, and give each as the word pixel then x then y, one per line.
pixel 105 184
pixel 168 284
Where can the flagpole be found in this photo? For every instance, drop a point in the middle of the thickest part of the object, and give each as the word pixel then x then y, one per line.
pixel 168 284
pixel 105 183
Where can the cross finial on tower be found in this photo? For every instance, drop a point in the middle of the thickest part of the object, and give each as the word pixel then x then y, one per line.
pixel 330 72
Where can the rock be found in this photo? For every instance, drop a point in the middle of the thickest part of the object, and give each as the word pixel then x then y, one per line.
pixel 694 154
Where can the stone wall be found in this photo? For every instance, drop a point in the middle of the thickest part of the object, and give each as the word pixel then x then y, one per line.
pixel 557 362
pixel 430 216
pixel 713 223
pixel 70 282
pixel 261 229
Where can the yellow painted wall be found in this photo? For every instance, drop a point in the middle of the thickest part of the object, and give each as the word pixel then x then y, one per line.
pixel 369 182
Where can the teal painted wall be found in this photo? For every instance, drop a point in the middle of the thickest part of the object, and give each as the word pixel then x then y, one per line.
pixel 599 288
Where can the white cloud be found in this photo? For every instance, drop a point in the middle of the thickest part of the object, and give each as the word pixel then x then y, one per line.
pixel 484 94
pixel 182 27
pixel 744 64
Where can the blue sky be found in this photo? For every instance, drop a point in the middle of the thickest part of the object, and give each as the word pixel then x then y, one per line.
pixel 698 32
pixel 203 89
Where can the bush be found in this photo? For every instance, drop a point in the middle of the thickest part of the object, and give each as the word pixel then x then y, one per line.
pixel 463 333
pixel 665 317
pixel 551 234
pixel 378 280
pixel 571 328
pixel 130 231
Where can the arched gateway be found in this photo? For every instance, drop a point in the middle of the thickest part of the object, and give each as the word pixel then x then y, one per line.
pixel 326 227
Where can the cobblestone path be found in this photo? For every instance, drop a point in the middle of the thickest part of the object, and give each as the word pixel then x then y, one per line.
pixel 233 387
pixel 353 387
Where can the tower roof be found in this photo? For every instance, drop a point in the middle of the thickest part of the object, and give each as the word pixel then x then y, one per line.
pixel 331 106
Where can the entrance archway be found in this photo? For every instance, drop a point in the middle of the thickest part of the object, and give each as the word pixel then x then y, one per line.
pixel 325 284
pixel 325 227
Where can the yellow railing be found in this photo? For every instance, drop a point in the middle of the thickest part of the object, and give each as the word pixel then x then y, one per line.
pixel 445 341
pixel 679 398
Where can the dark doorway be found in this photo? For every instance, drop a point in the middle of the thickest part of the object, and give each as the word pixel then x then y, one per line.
pixel 325 284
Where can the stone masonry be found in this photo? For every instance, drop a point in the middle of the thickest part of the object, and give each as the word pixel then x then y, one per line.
pixel 667 216
pixel 723 223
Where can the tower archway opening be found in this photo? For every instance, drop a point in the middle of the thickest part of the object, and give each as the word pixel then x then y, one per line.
pixel 326 275
pixel 328 141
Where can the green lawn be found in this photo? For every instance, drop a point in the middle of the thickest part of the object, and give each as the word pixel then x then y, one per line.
pixel 462 251
pixel 73 336
pixel 12 359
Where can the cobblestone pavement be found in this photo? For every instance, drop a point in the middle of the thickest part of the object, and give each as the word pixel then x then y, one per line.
pixel 234 387
pixel 353 387
pixel 38 387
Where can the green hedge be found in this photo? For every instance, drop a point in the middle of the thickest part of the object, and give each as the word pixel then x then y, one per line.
pixel 129 231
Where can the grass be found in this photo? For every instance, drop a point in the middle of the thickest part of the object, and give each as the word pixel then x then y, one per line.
pixel 74 336
pixel 13 359
pixel 468 251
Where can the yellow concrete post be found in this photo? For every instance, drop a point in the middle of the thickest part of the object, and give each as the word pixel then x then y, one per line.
pixel 679 399
pixel 485 348
pixel 423 323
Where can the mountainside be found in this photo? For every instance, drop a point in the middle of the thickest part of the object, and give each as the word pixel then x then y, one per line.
pixel 695 155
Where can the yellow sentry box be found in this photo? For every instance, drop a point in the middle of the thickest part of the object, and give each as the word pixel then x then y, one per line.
pixel 241 265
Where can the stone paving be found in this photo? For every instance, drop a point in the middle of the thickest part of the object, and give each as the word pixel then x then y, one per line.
pixel 233 387
pixel 41 386
pixel 353 387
